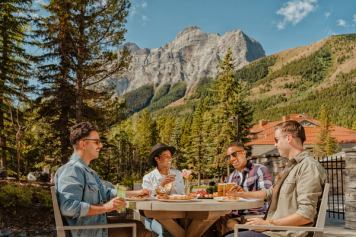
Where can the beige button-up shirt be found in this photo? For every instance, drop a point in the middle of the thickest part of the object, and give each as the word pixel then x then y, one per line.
pixel 299 193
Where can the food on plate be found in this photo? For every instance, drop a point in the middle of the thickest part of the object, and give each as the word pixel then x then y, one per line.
pixel 231 198
pixel 203 194
pixel 179 197
pixel 138 196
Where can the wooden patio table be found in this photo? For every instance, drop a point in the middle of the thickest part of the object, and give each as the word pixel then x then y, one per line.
pixel 198 215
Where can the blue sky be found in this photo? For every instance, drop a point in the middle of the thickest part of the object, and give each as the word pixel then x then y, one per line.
pixel 276 24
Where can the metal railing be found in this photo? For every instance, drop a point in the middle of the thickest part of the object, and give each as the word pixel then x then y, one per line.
pixel 335 166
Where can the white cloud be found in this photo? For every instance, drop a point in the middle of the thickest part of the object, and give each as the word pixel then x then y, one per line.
pixel 327 14
pixel 138 10
pixel 341 22
pixel 354 18
pixel 144 4
pixel 295 11
pixel 144 19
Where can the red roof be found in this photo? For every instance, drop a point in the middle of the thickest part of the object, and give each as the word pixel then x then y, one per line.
pixel 263 132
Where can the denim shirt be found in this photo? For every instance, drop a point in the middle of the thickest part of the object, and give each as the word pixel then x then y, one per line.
pixel 77 188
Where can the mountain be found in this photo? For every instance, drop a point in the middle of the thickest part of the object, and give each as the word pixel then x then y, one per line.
pixel 192 55
pixel 297 80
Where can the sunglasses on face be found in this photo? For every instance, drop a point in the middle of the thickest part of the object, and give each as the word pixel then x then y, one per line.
pixel 233 154
pixel 96 141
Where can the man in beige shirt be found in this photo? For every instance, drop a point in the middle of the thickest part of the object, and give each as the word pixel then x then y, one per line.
pixel 294 197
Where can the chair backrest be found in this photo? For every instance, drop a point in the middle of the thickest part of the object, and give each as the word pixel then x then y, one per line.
pixel 57 212
pixel 320 221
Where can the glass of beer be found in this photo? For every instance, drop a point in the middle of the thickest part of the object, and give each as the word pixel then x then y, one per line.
pixel 221 189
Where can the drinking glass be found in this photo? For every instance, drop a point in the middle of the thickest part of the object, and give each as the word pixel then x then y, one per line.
pixel 121 193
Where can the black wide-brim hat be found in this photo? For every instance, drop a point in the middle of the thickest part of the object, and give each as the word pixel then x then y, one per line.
pixel 157 149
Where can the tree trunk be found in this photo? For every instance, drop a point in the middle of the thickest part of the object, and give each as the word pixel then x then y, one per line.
pixel 80 70
pixel 3 75
pixel 18 151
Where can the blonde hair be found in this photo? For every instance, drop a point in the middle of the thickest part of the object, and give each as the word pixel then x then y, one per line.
pixel 294 128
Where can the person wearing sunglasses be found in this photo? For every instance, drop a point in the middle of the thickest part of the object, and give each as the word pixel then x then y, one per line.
pixel 84 199
pixel 248 177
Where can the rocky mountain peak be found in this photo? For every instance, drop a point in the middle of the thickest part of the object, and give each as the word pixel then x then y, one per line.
pixel 189 31
pixel 192 55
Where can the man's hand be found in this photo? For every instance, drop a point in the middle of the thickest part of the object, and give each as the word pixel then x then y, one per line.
pixel 114 204
pixel 234 191
pixel 258 221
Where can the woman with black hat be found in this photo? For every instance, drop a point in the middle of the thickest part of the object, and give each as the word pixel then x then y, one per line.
pixel 163 178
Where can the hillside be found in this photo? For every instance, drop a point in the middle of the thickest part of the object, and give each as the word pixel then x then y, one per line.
pixel 293 81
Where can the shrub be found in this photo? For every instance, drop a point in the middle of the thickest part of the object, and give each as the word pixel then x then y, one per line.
pixel 14 195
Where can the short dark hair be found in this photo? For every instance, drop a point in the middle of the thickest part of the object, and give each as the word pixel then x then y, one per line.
pixel 237 144
pixel 247 149
pixel 294 128
pixel 79 131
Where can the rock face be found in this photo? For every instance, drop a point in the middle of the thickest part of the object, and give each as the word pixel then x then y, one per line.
pixel 192 55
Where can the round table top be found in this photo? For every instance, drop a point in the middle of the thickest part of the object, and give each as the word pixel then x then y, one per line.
pixel 195 205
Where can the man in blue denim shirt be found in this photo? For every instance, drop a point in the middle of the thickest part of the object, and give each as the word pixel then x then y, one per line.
pixel 83 198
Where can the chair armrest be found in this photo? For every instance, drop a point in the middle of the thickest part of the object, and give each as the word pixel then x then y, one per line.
pixel 104 226
pixel 275 227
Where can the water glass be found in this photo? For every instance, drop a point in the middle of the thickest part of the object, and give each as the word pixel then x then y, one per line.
pixel 121 193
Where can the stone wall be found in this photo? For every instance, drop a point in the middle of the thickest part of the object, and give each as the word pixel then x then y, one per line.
pixel 350 188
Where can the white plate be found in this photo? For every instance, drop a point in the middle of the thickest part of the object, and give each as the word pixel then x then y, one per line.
pixel 249 199
pixel 223 199
pixel 183 200
pixel 137 199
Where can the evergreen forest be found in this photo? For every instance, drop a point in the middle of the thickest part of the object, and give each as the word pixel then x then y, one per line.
pixel 43 94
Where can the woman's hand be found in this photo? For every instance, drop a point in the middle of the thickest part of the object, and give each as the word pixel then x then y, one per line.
pixel 168 179
pixel 138 193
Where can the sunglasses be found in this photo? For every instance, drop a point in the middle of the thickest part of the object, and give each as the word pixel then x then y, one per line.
pixel 96 141
pixel 233 154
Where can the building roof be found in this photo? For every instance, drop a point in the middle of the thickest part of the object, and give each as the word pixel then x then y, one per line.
pixel 263 132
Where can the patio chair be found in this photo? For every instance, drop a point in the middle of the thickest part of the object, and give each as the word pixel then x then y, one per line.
pixel 60 228
pixel 318 229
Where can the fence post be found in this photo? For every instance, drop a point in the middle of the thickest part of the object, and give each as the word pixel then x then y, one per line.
pixel 350 188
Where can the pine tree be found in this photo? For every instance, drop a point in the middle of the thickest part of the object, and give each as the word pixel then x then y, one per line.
pixel 326 144
pixel 56 72
pixel 232 115
pixel 15 65
pixel 98 31
pixel 196 158
pixel 144 131
pixel 79 39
